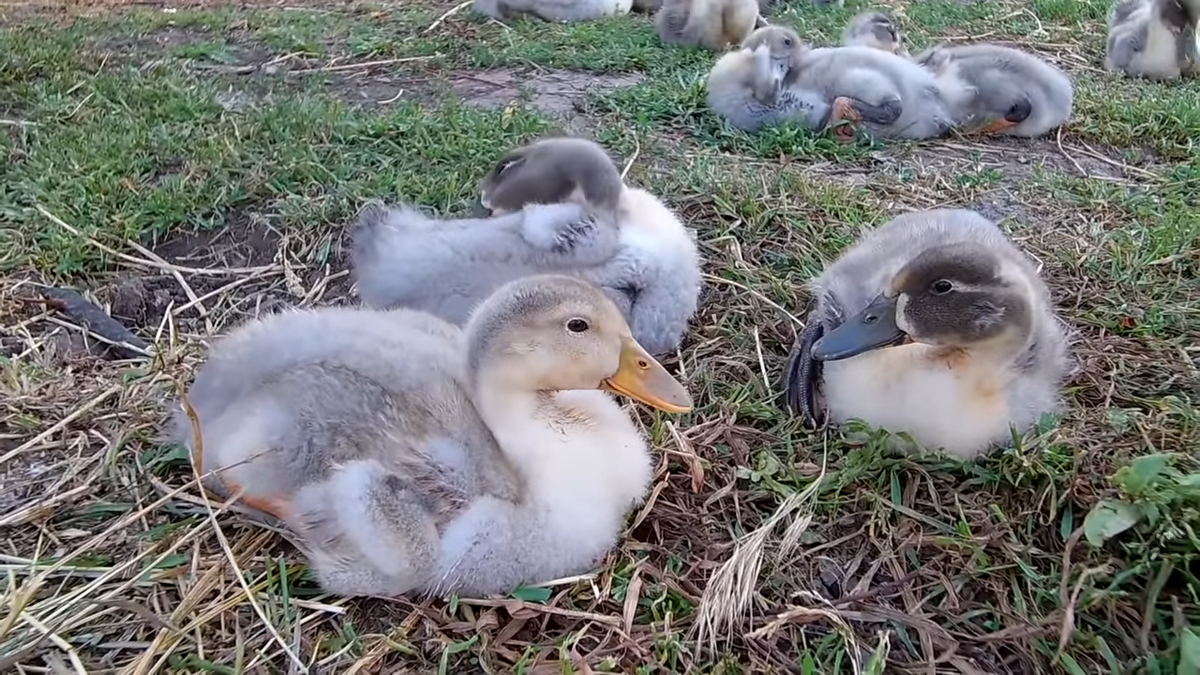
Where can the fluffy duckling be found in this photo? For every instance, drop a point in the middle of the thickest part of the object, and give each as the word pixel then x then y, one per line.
pixel 889 95
pixel 754 86
pixel 1155 39
pixel 408 455
pixel 936 325
pixel 403 258
pixel 654 276
pixel 713 24
pixel 563 11
pixel 876 30
pixel 1005 90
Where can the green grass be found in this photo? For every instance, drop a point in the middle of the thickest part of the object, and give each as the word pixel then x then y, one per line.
pixel 154 128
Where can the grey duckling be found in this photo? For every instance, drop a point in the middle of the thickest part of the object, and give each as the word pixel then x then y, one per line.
pixel 1002 90
pixel 559 11
pixel 407 455
pixel 754 87
pixel 1155 39
pixel 876 30
pixel 936 325
pixel 888 95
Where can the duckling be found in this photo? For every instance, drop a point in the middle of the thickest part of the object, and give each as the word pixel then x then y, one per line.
pixel 550 171
pixel 876 30
pixel 647 6
pixel 654 276
pixel 888 94
pixel 751 87
pixel 562 11
pixel 712 24
pixel 1009 91
pixel 934 324
pixel 1155 39
pixel 410 456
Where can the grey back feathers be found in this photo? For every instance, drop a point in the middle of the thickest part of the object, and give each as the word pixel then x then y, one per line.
pixel 877 30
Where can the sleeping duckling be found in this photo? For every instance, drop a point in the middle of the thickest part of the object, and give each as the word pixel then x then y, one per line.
pixel 403 258
pixel 1155 39
pixel 1007 90
pixel 754 86
pixel 876 30
pixel 563 11
pixel 408 455
pixel 712 24
pixel 889 95
pixel 654 276
pixel 936 325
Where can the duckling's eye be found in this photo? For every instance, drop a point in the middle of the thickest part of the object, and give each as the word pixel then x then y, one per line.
pixel 941 287
pixel 787 42
pixel 577 325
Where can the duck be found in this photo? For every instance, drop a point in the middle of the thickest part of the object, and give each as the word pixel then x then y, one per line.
pixel 887 95
pixel 754 86
pixel 936 325
pixel 634 246
pixel 1154 39
pixel 711 24
pixel 1002 90
pixel 557 11
pixel 408 455
pixel 876 30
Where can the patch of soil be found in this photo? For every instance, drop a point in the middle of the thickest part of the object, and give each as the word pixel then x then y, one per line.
pixel 552 91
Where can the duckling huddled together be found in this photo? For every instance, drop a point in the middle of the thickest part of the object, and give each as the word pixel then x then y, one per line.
pixel 871 83
pixel 457 433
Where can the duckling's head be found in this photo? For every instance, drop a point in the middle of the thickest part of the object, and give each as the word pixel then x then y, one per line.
pixel 550 333
pixel 552 171
pixel 783 44
pixel 876 30
pixel 957 296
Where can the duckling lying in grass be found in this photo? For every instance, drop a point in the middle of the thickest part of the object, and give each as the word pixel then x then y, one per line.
pixel 654 276
pixel 408 455
pixel 889 95
pixel 712 24
pixel 876 30
pixel 1155 39
pixel 1004 90
pixel 754 87
pixel 936 325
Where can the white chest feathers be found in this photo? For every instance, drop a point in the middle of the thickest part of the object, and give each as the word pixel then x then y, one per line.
pixel 957 405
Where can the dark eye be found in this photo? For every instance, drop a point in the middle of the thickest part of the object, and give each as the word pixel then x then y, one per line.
pixel 577 325
pixel 787 42
pixel 941 287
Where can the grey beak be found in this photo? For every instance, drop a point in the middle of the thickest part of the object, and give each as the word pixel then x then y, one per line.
pixel 872 328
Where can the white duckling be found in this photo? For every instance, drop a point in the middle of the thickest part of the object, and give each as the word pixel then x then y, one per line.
pixel 712 24
pixel 561 11
pixel 407 455
pixel 936 325
pixel 1002 90
pixel 754 86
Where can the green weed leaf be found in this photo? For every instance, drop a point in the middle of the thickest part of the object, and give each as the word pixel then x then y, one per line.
pixel 1141 472
pixel 531 593
pixel 1189 653
pixel 1108 519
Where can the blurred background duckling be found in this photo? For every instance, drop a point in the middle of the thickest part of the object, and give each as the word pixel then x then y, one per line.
pixel 560 11
pixel 655 276
pixel 1155 39
pixel 404 258
pixel 876 30
pixel 936 325
pixel 888 95
pixel 408 455
pixel 1002 90
pixel 712 24
pixel 753 87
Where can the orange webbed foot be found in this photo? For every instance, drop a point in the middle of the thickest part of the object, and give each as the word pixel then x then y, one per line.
pixel 996 126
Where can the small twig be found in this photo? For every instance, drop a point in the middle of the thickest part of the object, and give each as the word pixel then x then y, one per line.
pixel 637 148
pixel 454 10
pixel 365 64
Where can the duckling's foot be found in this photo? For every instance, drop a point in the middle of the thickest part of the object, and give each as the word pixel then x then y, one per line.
pixel 997 126
pixel 844 111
